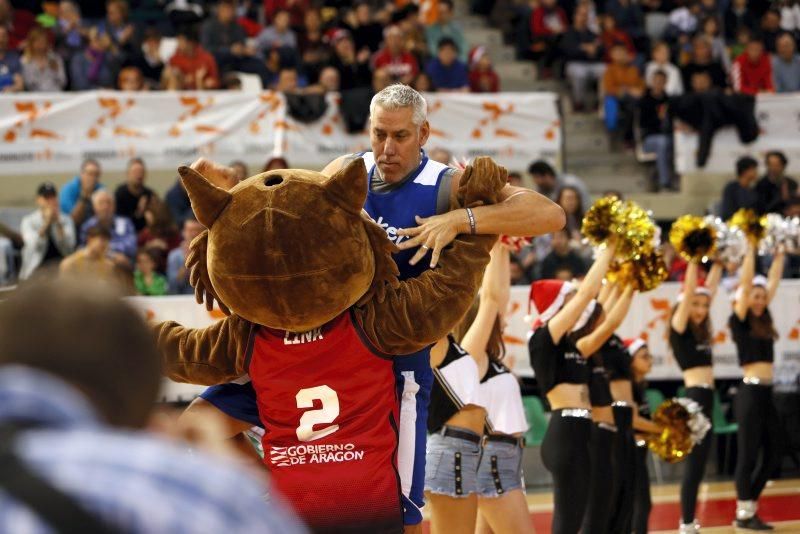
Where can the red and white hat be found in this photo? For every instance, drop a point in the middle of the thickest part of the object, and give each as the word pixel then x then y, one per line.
pixel 632 345
pixel 547 297
pixel 701 289
pixel 476 54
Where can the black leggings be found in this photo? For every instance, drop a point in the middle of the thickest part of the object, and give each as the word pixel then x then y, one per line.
pixel 641 498
pixel 565 453
pixel 601 480
pixel 758 438
pixel 625 468
pixel 695 466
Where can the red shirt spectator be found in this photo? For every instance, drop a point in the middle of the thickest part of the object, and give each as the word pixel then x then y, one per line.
pixel 752 71
pixel 296 9
pixel 402 66
pixel 548 19
pixel 198 67
pixel 482 77
pixel 612 36
pixel 18 21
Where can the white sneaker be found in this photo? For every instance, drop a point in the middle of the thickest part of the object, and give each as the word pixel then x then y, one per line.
pixel 689 528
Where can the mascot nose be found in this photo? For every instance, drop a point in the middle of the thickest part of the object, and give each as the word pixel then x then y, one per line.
pixel 272 181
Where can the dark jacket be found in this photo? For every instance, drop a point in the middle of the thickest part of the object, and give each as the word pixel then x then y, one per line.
pixel 650 123
pixel 571 45
pixel 736 197
pixel 769 195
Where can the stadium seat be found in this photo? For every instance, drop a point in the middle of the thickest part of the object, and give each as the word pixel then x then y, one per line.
pixel 251 83
pixel 167 48
pixel 537 421
pixel 654 398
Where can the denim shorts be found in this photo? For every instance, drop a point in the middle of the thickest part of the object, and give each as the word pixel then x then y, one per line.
pixel 500 469
pixel 451 466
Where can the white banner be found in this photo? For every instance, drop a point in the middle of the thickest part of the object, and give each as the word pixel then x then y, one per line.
pixel 648 318
pixel 779 121
pixel 42 133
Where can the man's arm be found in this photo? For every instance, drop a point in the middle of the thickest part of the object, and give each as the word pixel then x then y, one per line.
pixel 519 212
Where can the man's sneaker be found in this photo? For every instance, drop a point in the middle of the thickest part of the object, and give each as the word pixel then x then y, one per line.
pixel 753 524
pixel 689 528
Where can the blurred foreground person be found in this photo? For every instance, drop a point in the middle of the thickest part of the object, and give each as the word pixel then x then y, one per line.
pixel 73 453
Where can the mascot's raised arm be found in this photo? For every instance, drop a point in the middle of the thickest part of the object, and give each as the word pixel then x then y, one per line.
pixel 316 312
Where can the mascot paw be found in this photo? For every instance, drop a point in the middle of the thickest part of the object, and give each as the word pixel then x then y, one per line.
pixel 481 182
pixel 198 274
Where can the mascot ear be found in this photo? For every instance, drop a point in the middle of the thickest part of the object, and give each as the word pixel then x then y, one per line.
pixel 208 200
pixel 348 187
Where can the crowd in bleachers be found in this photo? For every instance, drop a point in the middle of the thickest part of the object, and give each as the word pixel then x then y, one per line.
pixel 664 64
pixel 301 47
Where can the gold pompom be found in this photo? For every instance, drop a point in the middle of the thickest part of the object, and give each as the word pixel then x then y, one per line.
pixel 752 224
pixel 626 220
pixel 603 220
pixel 693 237
pixel 674 443
pixel 644 274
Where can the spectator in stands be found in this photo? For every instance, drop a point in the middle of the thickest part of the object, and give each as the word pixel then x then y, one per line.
pixel 120 229
pixel 146 280
pixel 198 68
pixel 422 83
pixel 10 69
pixel 177 274
pixel 683 22
pixel 275 163
pixel 752 71
pixel 76 195
pixel 289 81
pixel 353 69
pixel 131 79
pixel 482 76
pixel 547 184
pixel 329 80
pixel 409 21
pixel 702 61
pixel 117 27
pixel 719 52
pixel 367 34
pixel 92 261
pixel 628 16
pixel 133 196
pixel 313 44
pixel 623 87
pixel 737 16
pixel 295 8
pixel 400 64
pixel 739 193
pixel 48 235
pixel 226 40
pixel 18 22
pixel 569 198
pixel 446 26
pixel 786 65
pixel 279 34
pixel 771 29
pixel 172 79
pixel 69 30
pixel 177 200
pixel 95 67
pixel 775 189
pixel 42 69
pixel 442 155
pixel 447 72
pixel 148 59
pixel 660 62
pixel 676 265
pixel 548 23
pixel 612 36
pixel 518 274
pixel 562 256
pixel 79 367
pixel 240 170
pixel 583 53
pixel 655 125
pixel 160 234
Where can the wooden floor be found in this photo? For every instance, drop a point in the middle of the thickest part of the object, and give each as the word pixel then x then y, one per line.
pixel 779 505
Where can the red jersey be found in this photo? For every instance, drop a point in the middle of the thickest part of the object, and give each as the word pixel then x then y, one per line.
pixel 329 409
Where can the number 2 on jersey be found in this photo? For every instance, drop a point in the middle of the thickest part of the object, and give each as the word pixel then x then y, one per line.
pixel 327 414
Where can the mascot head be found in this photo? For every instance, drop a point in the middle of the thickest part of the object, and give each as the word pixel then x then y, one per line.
pixel 291 249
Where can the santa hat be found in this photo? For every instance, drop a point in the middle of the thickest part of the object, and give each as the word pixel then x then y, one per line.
pixel 759 280
pixel 476 54
pixel 701 289
pixel 634 344
pixel 547 297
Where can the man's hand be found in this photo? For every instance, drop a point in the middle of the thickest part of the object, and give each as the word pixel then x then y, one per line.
pixel 434 233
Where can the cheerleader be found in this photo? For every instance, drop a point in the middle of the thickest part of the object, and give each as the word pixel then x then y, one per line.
pixel 564 337
pixel 759 429
pixel 640 364
pixel 456 417
pixel 604 431
pixel 502 505
pixel 690 336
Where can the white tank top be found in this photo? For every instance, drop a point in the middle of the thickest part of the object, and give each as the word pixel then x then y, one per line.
pixel 503 401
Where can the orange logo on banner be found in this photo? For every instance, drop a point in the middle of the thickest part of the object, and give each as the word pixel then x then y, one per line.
pixel 273 102
pixel 794 333
pixel 194 108
pixel 30 112
pixel 496 112
pixel 112 109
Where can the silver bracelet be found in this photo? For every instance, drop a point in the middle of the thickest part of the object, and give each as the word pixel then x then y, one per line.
pixel 471 217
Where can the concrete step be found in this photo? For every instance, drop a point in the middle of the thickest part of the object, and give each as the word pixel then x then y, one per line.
pixel 515 70
pixel 586 142
pixel 484 36
pixel 471 22
pixel 582 122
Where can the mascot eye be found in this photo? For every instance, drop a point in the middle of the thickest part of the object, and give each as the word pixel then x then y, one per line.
pixel 273 180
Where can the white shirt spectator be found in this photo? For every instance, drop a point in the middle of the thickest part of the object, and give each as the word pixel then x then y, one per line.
pixel 35 248
pixel 674 81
